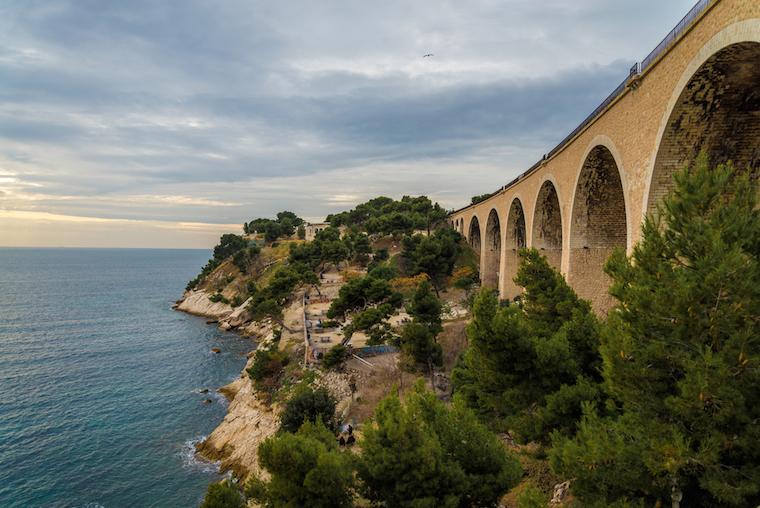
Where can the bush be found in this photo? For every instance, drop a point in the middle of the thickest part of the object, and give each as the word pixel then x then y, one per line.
pixel 532 497
pixel 308 405
pixel 335 357
pixel 306 469
pixel 218 297
pixel 267 369
pixel 223 495
pixel 422 453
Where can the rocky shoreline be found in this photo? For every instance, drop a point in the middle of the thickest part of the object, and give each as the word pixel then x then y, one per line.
pixel 248 422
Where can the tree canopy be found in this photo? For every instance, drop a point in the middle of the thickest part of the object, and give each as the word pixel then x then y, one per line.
pixel 284 225
pixel 434 255
pixel 388 216
pixel 420 453
pixel 306 469
pixel 531 364
pixel 680 353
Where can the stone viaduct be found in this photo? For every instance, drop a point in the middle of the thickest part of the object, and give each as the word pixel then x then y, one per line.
pixel 698 90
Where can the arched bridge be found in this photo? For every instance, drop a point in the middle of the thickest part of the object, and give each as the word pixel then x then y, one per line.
pixel 698 90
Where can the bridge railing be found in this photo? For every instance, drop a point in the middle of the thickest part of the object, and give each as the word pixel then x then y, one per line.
pixel 674 34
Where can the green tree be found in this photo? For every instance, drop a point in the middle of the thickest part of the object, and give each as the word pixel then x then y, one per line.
pixel 531 365
pixel 267 368
pixel 335 357
pixel 419 345
pixel 301 232
pixel 361 248
pixel 434 255
pixel 223 495
pixel 228 245
pixel 306 469
pixel 307 405
pixel 680 354
pixel 426 308
pixel 480 197
pixel 362 292
pixel 420 453
pixel 272 231
pixel 334 251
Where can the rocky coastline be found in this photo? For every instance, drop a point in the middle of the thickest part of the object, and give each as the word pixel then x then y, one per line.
pixel 249 421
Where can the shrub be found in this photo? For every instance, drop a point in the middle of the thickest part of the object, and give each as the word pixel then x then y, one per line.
pixel 307 405
pixel 218 297
pixel 422 453
pixel 306 469
pixel 223 495
pixel 267 369
pixel 335 357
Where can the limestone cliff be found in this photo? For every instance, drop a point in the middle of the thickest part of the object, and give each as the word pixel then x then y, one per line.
pixel 199 304
pixel 249 421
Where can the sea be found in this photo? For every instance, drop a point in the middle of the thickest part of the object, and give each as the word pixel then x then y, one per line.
pixel 100 380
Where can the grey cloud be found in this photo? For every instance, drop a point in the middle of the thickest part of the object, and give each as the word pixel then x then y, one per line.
pixel 248 101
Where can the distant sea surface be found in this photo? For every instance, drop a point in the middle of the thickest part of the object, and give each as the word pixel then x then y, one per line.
pixel 100 379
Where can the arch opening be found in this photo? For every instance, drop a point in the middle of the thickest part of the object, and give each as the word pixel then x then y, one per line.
pixel 515 240
pixel 718 111
pixel 598 226
pixel 489 273
pixel 473 236
pixel 547 225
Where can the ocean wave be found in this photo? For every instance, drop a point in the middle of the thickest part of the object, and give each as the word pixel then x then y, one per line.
pixel 92 505
pixel 191 460
pixel 220 398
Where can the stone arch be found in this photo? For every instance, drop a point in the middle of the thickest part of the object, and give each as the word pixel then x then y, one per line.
pixel 489 272
pixel 515 239
pixel 547 224
pixel 473 236
pixel 598 225
pixel 717 110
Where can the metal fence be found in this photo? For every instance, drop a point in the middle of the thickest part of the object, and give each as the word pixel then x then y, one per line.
pixel 374 350
pixel 674 34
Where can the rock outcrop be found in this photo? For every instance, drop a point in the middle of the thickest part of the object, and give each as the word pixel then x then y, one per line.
pixel 235 441
pixel 198 304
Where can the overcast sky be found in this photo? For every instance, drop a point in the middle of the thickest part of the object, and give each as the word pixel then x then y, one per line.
pixel 147 123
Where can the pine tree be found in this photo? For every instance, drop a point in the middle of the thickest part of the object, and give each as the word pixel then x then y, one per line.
pixel 531 365
pixel 421 454
pixel 223 495
pixel 419 346
pixel 426 308
pixel 306 469
pixel 680 352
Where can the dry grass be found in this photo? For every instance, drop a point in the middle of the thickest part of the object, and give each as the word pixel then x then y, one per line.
pixel 374 384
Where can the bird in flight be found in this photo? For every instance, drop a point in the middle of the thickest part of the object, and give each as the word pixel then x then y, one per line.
pixel 428 55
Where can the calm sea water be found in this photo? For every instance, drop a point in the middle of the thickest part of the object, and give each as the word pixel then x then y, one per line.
pixel 99 379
